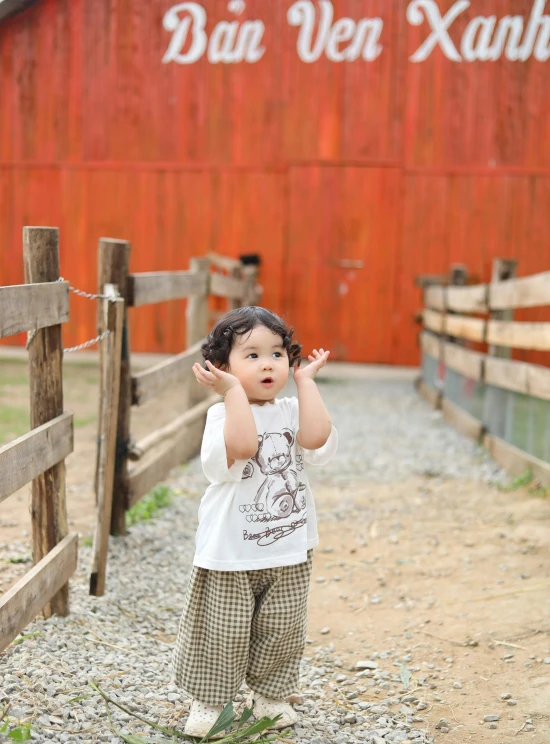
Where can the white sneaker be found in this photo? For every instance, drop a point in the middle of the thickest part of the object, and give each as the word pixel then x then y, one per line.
pixel 270 707
pixel 201 719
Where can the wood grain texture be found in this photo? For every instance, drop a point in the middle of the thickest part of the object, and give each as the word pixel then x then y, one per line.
pixel 49 506
pixel 434 321
pixel 465 361
pixel 111 360
pixel 405 167
pixel 159 286
pixel 519 335
pixel 472 329
pixel 33 453
pixel 146 475
pixel 462 420
pixel 515 460
pixel 529 379
pixel 150 382
pixel 528 291
pixel 25 599
pixel 435 297
pixel 467 299
pixel 30 306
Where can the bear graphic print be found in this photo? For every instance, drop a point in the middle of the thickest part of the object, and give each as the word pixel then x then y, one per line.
pixel 280 492
pixel 259 512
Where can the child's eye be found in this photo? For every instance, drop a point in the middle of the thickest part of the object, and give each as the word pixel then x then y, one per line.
pixel 277 354
pixel 252 356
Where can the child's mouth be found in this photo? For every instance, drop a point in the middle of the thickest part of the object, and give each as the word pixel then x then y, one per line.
pixel 267 382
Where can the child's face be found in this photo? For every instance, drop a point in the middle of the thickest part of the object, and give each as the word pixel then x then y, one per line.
pixel 260 363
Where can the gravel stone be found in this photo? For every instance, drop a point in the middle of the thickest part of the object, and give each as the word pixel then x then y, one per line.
pixel 125 640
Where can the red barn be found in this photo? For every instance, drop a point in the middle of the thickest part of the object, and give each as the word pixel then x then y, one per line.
pixel 353 144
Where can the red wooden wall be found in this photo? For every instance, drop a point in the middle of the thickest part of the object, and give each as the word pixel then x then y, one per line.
pixel 404 166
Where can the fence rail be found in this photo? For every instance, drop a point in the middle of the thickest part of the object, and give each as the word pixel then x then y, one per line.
pixel 139 466
pixel 501 402
pixel 39 456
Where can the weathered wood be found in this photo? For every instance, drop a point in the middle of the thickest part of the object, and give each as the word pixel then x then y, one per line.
pixel 197 306
pixel 529 291
pixel 467 299
pixel 431 344
pixel 113 268
pixel 150 382
pixel 434 297
pixel 152 440
pixel 24 600
pixel 515 461
pixel 225 263
pixel 197 326
pixel 234 302
pixel 34 452
pixel 160 286
pixel 433 320
pixel 530 379
pixel 534 336
pixel 465 361
pixel 25 307
pixel 226 286
pixel 431 394
pixel 429 280
pixel 145 476
pixel 114 321
pixel 461 326
pixel 461 420
pixel 49 509
pixel 503 270
pixel 252 290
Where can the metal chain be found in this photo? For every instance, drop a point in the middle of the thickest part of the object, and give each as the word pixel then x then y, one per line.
pixel 85 344
pixel 88 295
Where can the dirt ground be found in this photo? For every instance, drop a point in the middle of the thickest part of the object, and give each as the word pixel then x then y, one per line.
pixel 453 574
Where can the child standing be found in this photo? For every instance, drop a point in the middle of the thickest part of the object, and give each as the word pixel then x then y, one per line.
pixel 245 610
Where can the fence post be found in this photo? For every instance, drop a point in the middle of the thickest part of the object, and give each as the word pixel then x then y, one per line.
pixel 197 306
pixel 493 409
pixel 49 507
pixel 113 268
pixel 113 320
pixel 197 325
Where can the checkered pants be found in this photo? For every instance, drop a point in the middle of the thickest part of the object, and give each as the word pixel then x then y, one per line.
pixel 242 625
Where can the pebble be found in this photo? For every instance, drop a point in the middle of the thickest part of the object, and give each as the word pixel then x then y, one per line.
pixel 372 665
pixel 491 719
pixel 147 577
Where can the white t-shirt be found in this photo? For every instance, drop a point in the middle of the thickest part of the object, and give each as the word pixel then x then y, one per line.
pixel 259 513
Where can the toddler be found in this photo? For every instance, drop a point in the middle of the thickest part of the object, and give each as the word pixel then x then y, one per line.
pixel 245 610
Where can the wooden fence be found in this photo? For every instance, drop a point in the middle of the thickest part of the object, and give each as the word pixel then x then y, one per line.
pixel 40 306
pixel 467 369
pixel 208 280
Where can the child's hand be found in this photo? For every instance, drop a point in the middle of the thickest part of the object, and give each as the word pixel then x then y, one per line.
pixel 214 379
pixel 317 360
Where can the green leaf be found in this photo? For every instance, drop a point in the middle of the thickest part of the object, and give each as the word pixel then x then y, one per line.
pixel 261 725
pixel 405 676
pixel 21 733
pixel 246 715
pixel 225 719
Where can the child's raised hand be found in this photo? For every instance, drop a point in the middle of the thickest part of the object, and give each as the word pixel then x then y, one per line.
pixel 214 379
pixel 317 360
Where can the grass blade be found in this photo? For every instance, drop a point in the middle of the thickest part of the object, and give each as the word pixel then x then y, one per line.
pixel 225 719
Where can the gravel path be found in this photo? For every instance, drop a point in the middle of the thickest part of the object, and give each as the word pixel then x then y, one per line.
pixel 124 640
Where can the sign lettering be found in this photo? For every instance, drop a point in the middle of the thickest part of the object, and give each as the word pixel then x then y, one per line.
pixel 320 34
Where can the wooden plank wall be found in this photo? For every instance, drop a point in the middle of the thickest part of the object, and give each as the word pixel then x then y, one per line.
pixel 348 178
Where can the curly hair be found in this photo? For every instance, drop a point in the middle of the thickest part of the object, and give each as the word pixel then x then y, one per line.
pixel 240 321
